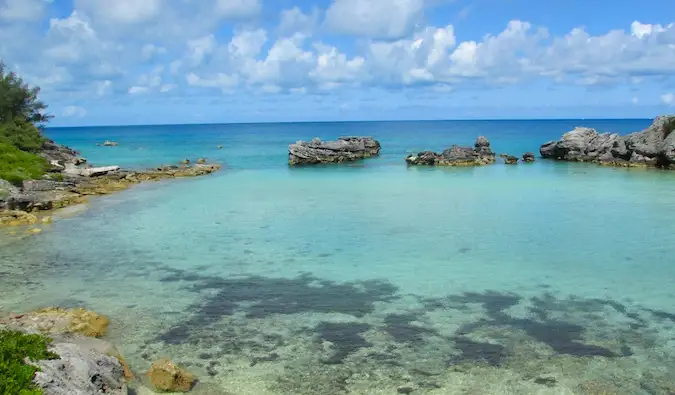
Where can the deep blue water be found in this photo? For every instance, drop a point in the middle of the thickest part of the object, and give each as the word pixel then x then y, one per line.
pixel 371 277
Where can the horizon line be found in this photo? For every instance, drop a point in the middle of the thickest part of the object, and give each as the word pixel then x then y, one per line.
pixel 354 121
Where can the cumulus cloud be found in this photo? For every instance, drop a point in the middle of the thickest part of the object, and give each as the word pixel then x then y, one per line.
pixel 22 10
pixel 158 46
pixel 387 19
pixel 74 111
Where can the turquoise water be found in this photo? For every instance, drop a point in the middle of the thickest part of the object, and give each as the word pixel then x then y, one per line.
pixel 370 278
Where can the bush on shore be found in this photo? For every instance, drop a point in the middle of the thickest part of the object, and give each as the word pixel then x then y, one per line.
pixel 16 377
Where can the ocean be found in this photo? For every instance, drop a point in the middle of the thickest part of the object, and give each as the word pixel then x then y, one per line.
pixel 369 277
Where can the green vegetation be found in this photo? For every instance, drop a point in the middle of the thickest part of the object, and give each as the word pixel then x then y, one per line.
pixel 16 377
pixel 21 118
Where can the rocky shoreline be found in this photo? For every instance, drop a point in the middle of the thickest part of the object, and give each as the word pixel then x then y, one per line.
pixel 85 364
pixel 652 147
pixel 71 180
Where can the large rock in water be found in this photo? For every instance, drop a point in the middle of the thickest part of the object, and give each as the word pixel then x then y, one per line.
pixel 654 146
pixel 344 149
pixel 479 154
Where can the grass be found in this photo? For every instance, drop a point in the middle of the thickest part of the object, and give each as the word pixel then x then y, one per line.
pixel 22 135
pixel 17 165
pixel 16 377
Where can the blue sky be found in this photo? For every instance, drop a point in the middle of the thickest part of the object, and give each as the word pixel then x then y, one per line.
pixel 108 62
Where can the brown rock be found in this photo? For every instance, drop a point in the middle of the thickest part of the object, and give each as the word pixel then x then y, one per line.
pixel 167 376
pixel 16 218
pixel 201 160
pixel 185 162
pixel 57 320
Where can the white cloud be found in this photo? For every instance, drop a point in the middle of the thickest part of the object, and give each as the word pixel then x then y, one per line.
pixel 388 19
pixel 22 10
pixel 138 90
pixel 635 100
pixel 121 11
pixel 668 99
pixel 295 21
pixel 220 81
pixel 74 111
pixel 103 87
pixel 237 9
pixel 149 51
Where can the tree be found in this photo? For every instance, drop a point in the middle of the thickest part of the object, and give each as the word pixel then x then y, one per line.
pixel 22 115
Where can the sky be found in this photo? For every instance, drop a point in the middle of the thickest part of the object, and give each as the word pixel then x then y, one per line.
pixel 122 62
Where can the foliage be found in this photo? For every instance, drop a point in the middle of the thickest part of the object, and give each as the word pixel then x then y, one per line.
pixel 17 166
pixel 21 118
pixel 21 134
pixel 16 377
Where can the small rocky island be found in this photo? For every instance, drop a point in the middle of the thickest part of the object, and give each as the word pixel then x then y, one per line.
pixel 652 147
pixel 344 149
pixel 478 155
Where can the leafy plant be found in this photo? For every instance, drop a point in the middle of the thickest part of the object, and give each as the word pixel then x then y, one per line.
pixel 16 377
pixel 17 166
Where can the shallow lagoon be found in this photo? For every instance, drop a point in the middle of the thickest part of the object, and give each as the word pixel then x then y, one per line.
pixel 371 278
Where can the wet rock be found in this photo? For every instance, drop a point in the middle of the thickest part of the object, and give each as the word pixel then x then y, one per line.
pixel 17 218
pixel 479 154
pixel 56 320
pixel 109 143
pixel 167 376
pixel 652 147
pixel 528 157
pixel 510 159
pixel 344 149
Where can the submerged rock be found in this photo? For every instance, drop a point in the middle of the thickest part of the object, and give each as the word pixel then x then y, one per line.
pixel 344 149
pixel 16 218
pixel 109 143
pixel 167 376
pixel 55 320
pixel 654 146
pixel 479 154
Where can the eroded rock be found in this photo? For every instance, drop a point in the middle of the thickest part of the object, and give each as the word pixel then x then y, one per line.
pixel 652 147
pixel 344 149
pixel 167 376
pixel 479 154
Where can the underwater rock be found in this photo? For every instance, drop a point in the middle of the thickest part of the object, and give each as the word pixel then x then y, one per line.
pixel 109 143
pixel 478 155
pixel 652 147
pixel 185 162
pixel 528 157
pixel 201 160
pixel 344 149
pixel 167 376
pixel 16 218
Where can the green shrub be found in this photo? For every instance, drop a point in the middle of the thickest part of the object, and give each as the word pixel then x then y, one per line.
pixel 21 134
pixel 16 377
pixel 17 166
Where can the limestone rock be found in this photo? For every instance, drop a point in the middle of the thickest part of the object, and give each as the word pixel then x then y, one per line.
pixel 109 143
pixel 56 320
pixel 84 367
pixel 344 149
pixel 654 146
pixel 58 155
pixel 510 160
pixel 16 218
pixel 167 376
pixel 90 171
pixel 528 157
pixel 7 192
pixel 479 154
pixel 201 160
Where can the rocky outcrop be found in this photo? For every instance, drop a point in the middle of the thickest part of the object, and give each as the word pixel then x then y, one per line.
pixel 89 171
pixel 109 143
pixel 479 154
pixel 528 157
pixel 654 146
pixel 167 376
pixel 509 159
pixel 85 365
pixel 344 149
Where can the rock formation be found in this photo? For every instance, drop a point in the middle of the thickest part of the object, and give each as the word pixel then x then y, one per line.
pixel 509 159
pixel 652 147
pixel 85 365
pixel 479 154
pixel 167 376
pixel 344 149
pixel 528 157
